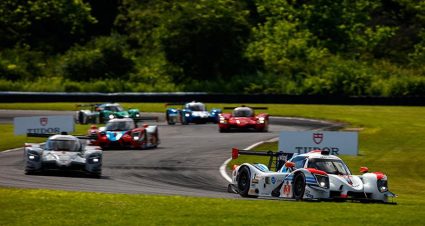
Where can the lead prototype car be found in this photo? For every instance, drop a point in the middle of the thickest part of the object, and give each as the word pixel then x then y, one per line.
pixel 244 118
pixel 311 176
pixel 62 152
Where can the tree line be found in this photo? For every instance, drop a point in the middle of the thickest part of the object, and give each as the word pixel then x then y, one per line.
pixel 313 47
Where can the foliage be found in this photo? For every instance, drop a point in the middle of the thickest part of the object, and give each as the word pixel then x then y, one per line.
pixel 48 25
pixel 249 46
pixel 102 58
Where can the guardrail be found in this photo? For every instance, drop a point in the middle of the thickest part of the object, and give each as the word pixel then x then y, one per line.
pixel 31 97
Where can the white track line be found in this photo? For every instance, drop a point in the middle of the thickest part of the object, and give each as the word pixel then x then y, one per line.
pixel 223 171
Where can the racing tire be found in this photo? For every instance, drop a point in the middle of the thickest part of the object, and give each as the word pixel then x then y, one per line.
pixel 184 121
pixel 30 172
pixel 299 186
pixel 244 182
pixel 169 122
pixel 96 175
pixel 266 127
pixel 221 130
pixel 81 118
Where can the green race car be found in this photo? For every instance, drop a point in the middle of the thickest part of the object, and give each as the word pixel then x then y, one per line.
pixel 102 113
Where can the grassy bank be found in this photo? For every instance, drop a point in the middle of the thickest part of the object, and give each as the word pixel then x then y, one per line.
pixel 44 207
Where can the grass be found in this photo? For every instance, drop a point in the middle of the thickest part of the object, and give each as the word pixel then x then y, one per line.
pixel 391 141
pixel 45 207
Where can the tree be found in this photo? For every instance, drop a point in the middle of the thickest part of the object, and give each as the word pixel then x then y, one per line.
pixel 48 25
pixel 206 39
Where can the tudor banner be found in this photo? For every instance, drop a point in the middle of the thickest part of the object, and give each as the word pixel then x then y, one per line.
pixel 337 143
pixel 43 124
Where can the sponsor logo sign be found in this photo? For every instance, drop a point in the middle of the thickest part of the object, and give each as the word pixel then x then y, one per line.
pixel 43 124
pixel 337 143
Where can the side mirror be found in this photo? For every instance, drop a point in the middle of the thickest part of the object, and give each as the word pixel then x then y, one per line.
pixel 364 169
pixel 289 164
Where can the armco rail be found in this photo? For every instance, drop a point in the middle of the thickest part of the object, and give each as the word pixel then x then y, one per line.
pixel 11 97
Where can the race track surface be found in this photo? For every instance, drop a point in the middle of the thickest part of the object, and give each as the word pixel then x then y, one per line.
pixel 186 163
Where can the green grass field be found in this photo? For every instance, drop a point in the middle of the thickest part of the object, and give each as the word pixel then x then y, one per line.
pixel 391 141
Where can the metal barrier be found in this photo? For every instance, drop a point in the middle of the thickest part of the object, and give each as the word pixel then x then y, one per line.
pixel 28 97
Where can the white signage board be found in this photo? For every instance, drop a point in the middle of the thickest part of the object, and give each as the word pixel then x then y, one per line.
pixel 43 124
pixel 337 143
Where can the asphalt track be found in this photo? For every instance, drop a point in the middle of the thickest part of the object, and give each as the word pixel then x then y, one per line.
pixel 186 163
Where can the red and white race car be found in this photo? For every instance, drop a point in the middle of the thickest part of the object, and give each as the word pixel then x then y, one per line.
pixel 124 133
pixel 244 118
pixel 311 176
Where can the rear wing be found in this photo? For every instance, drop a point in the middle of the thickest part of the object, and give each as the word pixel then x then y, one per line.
pixel 52 134
pixel 277 159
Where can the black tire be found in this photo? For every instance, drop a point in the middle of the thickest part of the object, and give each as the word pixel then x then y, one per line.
pixel 298 188
pixel 184 121
pixel 221 130
pixel 97 175
pixel 266 127
pixel 81 118
pixel 30 172
pixel 244 181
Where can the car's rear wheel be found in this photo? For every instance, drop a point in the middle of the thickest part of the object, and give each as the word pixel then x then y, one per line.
pixel 299 186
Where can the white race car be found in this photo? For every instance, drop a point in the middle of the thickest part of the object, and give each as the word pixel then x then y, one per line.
pixel 312 176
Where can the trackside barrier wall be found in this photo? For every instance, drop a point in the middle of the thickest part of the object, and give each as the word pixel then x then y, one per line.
pixel 11 97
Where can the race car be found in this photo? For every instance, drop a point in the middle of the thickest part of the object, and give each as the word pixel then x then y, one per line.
pixel 62 152
pixel 316 175
pixel 192 112
pixel 244 118
pixel 124 133
pixel 101 113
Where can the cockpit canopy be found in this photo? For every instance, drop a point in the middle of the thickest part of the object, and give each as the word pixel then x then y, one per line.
pixel 195 106
pixel 120 125
pixel 113 107
pixel 243 112
pixel 63 145
pixel 330 166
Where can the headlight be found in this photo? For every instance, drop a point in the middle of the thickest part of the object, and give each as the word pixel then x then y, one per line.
pixel 261 120
pixel 33 156
pixel 382 185
pixel 223 120
pixel 322 180
pixel 137 115
pixel 136 138
pixel 111 116
pixel 94 159
pixel 187 115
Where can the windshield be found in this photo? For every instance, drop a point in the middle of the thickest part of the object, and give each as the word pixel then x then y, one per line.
pixel 196 107
pixel 114 108
pixel 63 145
pixel 245 112
pixel 331 166
pixel 120 125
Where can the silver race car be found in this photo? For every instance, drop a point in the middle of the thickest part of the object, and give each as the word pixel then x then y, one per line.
pixel 62 152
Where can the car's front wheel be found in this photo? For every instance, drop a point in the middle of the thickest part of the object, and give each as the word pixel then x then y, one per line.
pixel 299 186
pixel 244 182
